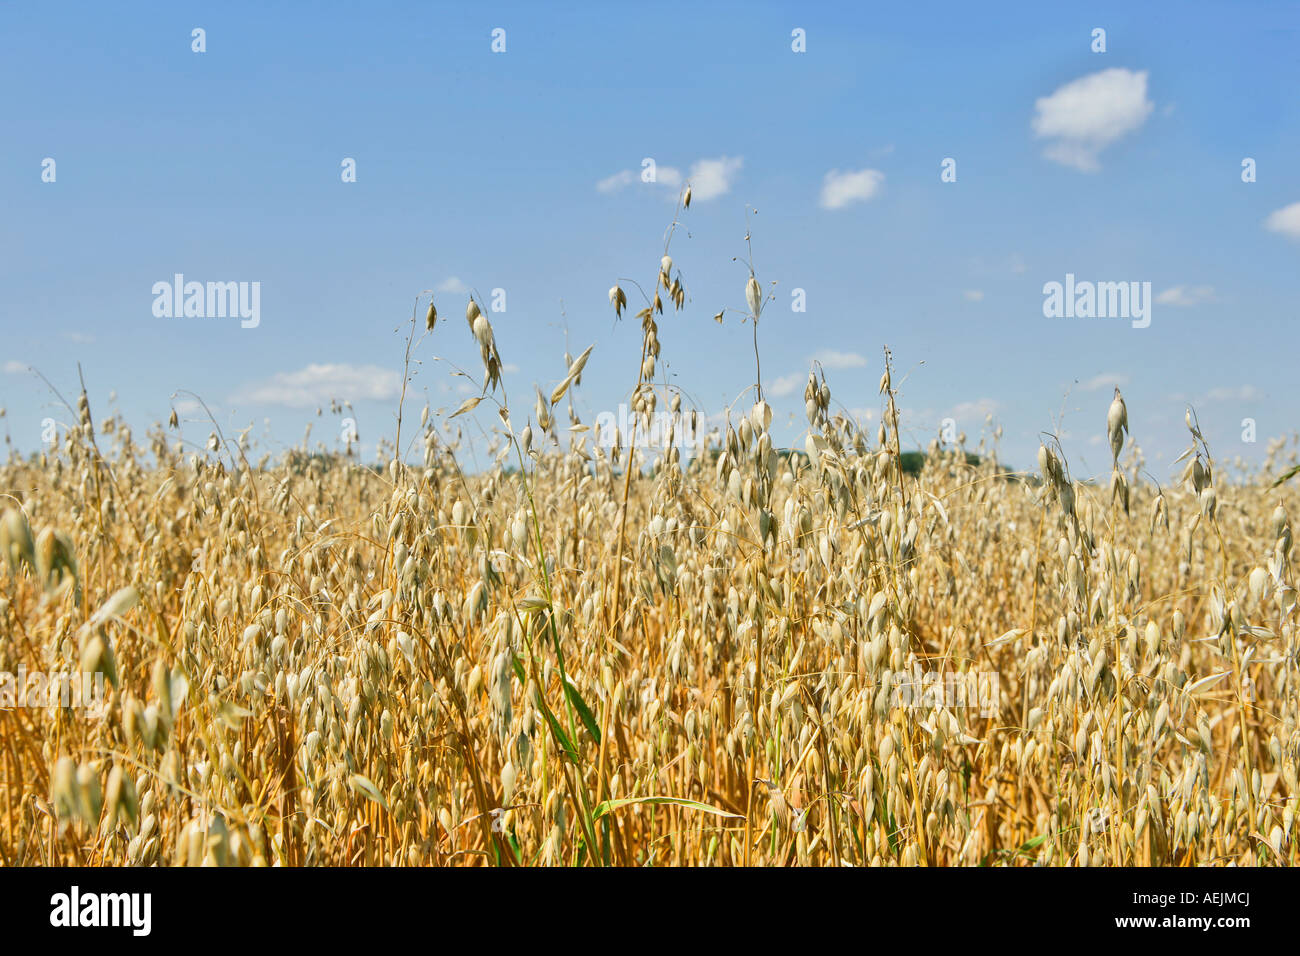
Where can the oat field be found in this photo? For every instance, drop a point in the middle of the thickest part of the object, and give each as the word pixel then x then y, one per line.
pixel 747 655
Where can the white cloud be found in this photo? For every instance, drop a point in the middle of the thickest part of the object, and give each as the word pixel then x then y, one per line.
pixel 668 176
pixel 1085 116
pixel 1013 264
pixel 841 188
pixel 15 368
pixel 1285 220
pixel 1185 295
pixel 318 383
pixel 79 338
pixel 974 295
pixel 833 359
pixel 829 358
pixel 1241 393
pixel 452 286
pixel 786 385
pixel 616 182
pixel 974 411
pixel 1104 380
pixel 711 178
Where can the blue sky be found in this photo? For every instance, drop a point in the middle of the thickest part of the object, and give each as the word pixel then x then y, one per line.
pixel 483 170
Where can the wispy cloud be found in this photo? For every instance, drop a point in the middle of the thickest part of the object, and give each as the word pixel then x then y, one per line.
pixel 14 368
pixel 786 385
pixel 1083 117
pixel 624 177
pixel 831 358
pixel 318 383
pixel 973 295
pixel 1285 220
pixel 709 178
pixel 1012 265
pixel 1186 295
pixel 1103 380
pixel 452 286
pixel 976 410
pixel 190 406
pixel 1238 393
pixel 839 189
